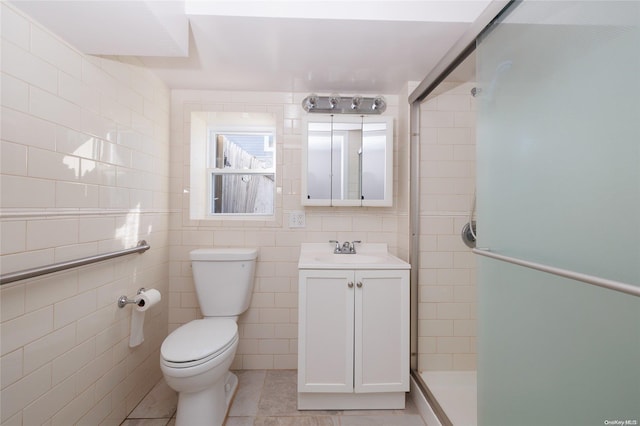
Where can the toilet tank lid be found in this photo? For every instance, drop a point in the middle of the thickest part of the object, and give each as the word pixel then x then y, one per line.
pixel 228 253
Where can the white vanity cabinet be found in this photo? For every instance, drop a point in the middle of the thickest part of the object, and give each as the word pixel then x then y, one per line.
pixel 353 338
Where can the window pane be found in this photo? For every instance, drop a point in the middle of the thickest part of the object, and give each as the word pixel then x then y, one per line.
pixel 242 193
pixel 241 150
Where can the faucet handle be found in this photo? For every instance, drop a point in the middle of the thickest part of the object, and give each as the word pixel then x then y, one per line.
pixel 353 245
pixel 337 247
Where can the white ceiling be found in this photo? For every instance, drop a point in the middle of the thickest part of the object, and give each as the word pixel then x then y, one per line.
pixel 346 46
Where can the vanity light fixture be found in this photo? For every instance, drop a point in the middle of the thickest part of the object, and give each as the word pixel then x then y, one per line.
pixel 336 104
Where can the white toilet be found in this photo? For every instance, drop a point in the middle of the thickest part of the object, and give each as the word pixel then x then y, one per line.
pixel 195 358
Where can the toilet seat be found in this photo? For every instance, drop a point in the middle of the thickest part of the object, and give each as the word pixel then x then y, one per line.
pixel 198 342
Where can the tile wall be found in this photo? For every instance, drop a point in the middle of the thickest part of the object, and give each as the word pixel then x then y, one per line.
pixel 268 330
pixel 84 170
pixel 447 295
pixel 93 160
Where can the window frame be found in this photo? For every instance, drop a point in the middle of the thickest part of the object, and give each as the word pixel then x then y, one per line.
pixel 211 172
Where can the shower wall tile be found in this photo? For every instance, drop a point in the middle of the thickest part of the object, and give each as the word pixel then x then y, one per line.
pixel 73 89
pixel 50 107
pixel 85 155
pixel 447 267
pixel 31 69
pixel 26 328
pixel 55 52
pixel 13 158
pixel 45 292
pixel 15 93
pixel 20 127
pixel 15 28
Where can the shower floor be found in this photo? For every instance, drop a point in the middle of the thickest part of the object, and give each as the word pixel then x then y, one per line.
pixel 456 392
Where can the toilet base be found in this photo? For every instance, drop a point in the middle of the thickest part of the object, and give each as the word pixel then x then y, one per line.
pixel 208 407
pixel 230 388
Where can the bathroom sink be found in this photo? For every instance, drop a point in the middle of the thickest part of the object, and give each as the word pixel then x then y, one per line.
pixel 368 256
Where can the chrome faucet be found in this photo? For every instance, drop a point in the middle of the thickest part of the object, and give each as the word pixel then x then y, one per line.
pixel 346 247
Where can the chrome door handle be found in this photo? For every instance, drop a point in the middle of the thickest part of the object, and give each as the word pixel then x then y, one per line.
pixel 350 284
pixel 359 284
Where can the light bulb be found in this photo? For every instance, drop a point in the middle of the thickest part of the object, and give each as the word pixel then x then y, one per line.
pixel 355 102
pixel 334 100
pixel 378 104
pixel 310 102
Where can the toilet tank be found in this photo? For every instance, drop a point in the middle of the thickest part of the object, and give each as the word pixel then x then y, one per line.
pixel 223 279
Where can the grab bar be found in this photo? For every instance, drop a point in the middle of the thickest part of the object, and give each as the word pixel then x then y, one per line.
pixel 589 279
pixel 55 267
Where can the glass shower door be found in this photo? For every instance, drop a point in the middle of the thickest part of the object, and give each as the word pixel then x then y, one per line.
pixel 558 145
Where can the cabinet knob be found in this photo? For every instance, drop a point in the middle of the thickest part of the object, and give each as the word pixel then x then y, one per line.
pixel 350 284
pixel 359 284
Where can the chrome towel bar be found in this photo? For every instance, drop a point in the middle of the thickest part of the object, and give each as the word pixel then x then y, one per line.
pixel 589 279
pixel 61 266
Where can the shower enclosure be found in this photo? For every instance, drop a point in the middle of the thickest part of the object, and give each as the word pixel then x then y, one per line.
pixel 557 125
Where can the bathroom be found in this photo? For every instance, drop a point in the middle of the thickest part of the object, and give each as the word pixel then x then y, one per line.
pixel 104 144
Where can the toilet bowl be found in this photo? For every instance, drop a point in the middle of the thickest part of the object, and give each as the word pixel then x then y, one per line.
pixel 195 358
pixel 195 361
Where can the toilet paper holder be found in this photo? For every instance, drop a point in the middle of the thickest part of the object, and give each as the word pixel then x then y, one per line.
pixel 124 300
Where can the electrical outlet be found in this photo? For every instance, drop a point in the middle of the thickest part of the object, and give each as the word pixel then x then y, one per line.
pixel 296 219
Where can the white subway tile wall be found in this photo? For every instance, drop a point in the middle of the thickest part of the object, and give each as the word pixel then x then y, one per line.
pixel 95 156
pixel 84 170
pixel 447 292
pixel 268 330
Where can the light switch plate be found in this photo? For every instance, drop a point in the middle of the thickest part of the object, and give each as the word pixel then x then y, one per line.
pixel 296 219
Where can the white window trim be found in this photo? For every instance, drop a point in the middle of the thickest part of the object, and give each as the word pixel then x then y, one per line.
pixel 201 175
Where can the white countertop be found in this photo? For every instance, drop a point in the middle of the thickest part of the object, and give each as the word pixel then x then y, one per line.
pixel 367 256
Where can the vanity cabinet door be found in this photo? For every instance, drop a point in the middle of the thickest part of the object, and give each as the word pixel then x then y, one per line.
pixel 381 331
pixel 325 336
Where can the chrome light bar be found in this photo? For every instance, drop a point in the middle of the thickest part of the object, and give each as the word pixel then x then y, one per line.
pixel 336 104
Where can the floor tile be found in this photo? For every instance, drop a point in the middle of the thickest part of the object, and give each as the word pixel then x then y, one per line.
pixel 269 398
pixel 145 422
pixel 239 421
pixel 250 384
pixel 160 402
pixel 297 421
pixel 279 395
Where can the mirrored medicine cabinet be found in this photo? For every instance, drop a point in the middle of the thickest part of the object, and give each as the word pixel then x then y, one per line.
pixel 347 161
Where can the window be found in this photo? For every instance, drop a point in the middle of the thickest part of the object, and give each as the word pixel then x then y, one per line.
pixel 241 169
pixel 233 165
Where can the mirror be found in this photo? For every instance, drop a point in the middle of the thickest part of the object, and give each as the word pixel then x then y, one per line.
pixel 347 161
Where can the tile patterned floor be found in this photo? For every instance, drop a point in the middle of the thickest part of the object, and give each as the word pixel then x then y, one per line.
pixel 268 398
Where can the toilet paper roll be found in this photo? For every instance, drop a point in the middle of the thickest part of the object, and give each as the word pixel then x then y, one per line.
pixel 145 300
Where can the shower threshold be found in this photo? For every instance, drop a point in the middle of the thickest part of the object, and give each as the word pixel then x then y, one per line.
pixel 456 392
